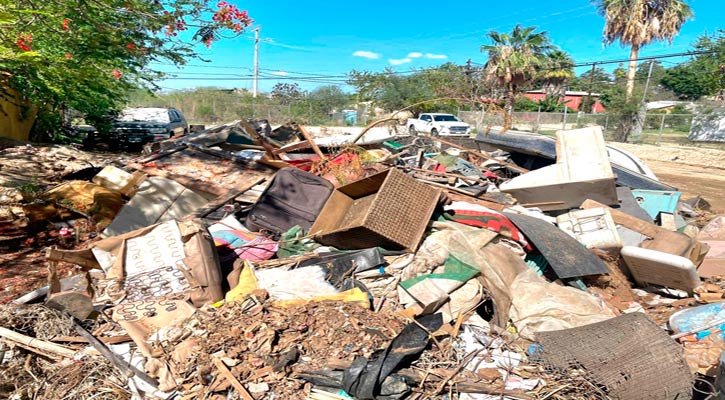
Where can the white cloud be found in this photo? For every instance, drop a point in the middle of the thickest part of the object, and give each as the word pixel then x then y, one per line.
pixel 366 54
pixel 400 61
pixel 415 54
pixel 435 56
pixel 280 73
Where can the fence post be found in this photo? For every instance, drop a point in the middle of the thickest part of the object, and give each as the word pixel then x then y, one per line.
pixel 606 123
pixel 538 119
pixel 662 126
pixel 563 124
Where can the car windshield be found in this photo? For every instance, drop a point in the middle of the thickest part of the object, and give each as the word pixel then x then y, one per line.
pixel 445 118
pixel 144 114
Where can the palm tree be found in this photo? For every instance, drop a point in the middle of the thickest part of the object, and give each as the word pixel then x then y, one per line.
pixel 556 71
pixel 637 23
pixel 513 59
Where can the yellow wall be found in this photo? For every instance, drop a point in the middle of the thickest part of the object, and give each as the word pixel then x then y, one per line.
pixel 12 123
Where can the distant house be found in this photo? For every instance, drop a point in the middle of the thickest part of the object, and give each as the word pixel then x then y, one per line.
pixel 572 97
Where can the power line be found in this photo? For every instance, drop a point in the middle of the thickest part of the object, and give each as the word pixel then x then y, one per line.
pixel 300 76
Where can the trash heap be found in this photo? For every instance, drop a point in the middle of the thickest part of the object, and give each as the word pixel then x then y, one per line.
pixel 257 263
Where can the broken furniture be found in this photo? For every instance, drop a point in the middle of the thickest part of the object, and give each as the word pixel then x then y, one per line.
pixel 582 171
pixel 660 238
pixel 293 198
pixel 388 209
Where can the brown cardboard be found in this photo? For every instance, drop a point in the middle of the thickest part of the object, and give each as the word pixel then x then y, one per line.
pixel 388 209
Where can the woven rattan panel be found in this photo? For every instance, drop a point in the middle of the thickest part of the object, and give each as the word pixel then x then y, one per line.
pixel 402 209
pixel 629 356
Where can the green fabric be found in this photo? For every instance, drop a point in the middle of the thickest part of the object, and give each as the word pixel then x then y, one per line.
pixel 446 160
pixel 454 269
pixel 293 243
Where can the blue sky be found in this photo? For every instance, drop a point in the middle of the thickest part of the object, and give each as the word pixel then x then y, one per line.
pixel 317 42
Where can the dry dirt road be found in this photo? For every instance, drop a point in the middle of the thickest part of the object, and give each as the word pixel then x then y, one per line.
pixel 693 170
pixel 693 180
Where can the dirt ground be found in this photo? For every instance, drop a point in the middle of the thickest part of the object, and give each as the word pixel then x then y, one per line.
pixel 693 170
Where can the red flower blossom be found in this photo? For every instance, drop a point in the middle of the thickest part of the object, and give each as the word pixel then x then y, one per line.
pixel 207 42
pixel 68 56
pixel 24 42
pixel 116 74
pixel 65 24
pixel 130 46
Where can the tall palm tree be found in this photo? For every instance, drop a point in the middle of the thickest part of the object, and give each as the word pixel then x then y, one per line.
pixel 556 71
pixel 513 59
pixel 637 23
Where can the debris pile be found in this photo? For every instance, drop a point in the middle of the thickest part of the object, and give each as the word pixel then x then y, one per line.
pixel 249 262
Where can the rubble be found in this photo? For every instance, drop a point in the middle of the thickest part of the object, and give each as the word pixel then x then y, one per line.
pixel 249 262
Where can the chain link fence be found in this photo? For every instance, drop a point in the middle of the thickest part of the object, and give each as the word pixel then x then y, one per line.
pixel 220 107
pixel 658 127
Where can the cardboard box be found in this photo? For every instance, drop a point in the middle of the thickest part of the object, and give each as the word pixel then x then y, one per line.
pixel 388 209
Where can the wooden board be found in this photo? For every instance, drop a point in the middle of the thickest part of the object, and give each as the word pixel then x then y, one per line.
pixel 567 257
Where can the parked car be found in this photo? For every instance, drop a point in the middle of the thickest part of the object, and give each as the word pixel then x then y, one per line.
pixel 438 124
pixel 139 126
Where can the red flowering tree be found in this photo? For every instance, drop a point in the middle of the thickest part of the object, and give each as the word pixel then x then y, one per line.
pixel 87 54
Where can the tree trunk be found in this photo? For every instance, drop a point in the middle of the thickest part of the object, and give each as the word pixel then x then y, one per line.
pixel 632 69
pixel 508 107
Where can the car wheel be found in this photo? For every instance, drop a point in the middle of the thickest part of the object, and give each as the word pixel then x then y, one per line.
pixel 434 132
pixel 412 131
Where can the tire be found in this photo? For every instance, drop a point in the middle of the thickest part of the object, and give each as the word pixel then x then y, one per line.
pixel 434 132
pixel 412 131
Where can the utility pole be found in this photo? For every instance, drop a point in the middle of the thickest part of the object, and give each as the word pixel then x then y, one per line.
pixel 256 60
pixel 641 115
pixel 591 83
pixel 649 75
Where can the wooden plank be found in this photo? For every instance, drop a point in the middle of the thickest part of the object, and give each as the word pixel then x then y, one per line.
pixel 467 197
pixel 249 129
pixel 115 359
pixel 221 200
pixel 567 257
pixel 224 371
pixel 162 154
pixel 36 345
pixel 196 185
pixel 81 339
pixel 311 141
pixel 481 199
pixel 467 179
pixel 510 166
pixel 296 146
